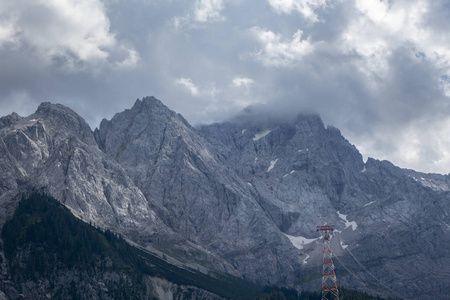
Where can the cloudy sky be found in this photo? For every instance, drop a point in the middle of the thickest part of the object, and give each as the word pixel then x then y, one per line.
pixel 379 70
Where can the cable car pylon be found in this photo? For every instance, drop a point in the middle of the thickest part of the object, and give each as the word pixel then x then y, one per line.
pixel 329 282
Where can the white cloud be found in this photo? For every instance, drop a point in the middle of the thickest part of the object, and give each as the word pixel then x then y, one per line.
pixel 128 62
pixel 278 51
pixel 243 96
pixel 74 34
pixel 359 63
pixel 208 11
pixel 189 85
pixel 306 8
pixel 204 11
pixel 7 33
pixel 239 81
pixel 404 61
pixel 209 90
pixel 383 26
pixel 422 145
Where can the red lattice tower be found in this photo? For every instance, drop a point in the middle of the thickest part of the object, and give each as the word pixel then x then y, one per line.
pixel 329 282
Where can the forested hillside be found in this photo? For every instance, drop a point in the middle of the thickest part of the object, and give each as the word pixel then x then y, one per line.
pixel 49 252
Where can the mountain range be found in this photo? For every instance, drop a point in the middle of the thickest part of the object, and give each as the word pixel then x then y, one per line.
pixel 242 197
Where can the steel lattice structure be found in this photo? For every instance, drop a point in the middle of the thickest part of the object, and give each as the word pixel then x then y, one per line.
pixel 329 283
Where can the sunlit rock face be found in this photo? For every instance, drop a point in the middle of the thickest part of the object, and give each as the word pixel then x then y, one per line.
pixel 243 196
pixel 54 151
pixel 195 192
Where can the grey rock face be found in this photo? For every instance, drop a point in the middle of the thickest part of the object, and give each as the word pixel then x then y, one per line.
pixel 391 222
pixel 302 172
pixel 244 196
pixel 193 191
pixel 55 150
pixel 165 290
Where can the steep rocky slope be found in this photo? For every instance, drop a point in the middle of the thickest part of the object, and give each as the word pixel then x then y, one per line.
pixel 302 172
pixel 54 150
pixel 194 192
pixel 242 197
pixel 391 223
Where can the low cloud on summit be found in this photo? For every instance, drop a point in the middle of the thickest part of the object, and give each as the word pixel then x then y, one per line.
pixel 377 70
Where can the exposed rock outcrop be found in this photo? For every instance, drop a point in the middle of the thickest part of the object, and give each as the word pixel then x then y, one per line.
pixel 242 197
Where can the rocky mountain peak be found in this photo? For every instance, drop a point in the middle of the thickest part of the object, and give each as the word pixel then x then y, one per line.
pixel 54 151
pixel 60 118
pixel 243 196
pixel 148 101
pixel 142 130
pixel 9 120
pixel 133 120
pixel 150 105
pixel 47 109
pixel 310 122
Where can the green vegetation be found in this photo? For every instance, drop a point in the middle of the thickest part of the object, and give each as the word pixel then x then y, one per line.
pixel 43 236
pixel 344 294
pixel 278 294
pixel 43 239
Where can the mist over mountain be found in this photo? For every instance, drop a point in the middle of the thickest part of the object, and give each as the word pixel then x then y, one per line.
pixel 242 197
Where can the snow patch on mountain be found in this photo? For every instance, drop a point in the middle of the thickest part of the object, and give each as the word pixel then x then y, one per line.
pixel 437 185
pixel 272 164
pixel 289 173
pixel 299 241
pixel 346 222
pixel 260 135
pixel 370 203
pixel 191 166
pixel 306 258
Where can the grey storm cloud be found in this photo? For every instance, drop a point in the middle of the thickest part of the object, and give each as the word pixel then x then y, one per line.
pixel 378 70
